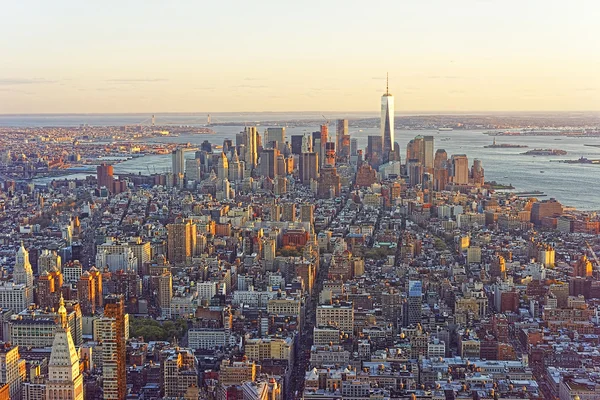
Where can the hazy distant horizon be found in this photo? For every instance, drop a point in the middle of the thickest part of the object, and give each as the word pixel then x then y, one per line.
pixel 136 56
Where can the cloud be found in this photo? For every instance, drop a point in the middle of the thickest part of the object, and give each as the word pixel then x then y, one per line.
pixel 250 86
pixel 137 80
pixel 24 81
pixel 444 77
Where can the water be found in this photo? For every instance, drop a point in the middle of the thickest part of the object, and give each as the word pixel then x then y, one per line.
pixel 572 184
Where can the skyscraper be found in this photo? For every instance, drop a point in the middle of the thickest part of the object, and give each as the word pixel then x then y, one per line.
pixel 329 154
pixel 309 167
pixel 251 142
pixel 22 271
pixel 374 150
pixel 341 130
pixel 324 140
pixel 178 162
pixel 181 241
pixel 296 144
pixel 12 369
pixel 104 175
pixel 273 135
pixel 387 123
pixel 428 153
pixel 460 169
pixel 112 334
pixel 269 163
pixel 64 377
pixel 413 304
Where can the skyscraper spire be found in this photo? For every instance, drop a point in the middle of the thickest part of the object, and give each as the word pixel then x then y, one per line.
pixel 387 83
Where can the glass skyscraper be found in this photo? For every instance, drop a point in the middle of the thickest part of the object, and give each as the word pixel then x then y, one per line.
pixel 387 123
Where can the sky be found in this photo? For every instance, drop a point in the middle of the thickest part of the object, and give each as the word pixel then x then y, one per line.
pixel 219 56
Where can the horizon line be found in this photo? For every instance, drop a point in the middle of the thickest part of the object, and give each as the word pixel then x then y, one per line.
pixel 412 112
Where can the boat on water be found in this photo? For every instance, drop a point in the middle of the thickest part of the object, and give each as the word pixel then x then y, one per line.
pixel 545 152
pixel 445 129
pixel 541 172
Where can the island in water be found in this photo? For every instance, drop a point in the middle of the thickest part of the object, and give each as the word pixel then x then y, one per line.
pixel 545 152
pixel 504 146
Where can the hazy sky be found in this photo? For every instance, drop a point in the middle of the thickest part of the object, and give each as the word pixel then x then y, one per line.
pixel 209 56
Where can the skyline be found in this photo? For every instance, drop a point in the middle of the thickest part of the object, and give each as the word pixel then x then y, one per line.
pixel 460 57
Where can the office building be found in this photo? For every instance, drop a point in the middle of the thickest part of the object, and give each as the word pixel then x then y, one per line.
pixel 412 314
pixel 329 154
pixel 353 147
pixel 309 167
pixel 251 142
pixel 89 291
pixel 112 332
pixel 269 163
pixel 181 242
pixel 178 162
pixel 387 123
pixel 428 147
pixel 15 297
pixel 329 183
pixel 23 273
pixel 307 143
pixel 324 138
pixel 296 144
pixel 340 315
pixel 165 293
pixel 180 372
pixel 193 170
pixel 440 170
pixel 374 151
pixel 223 167
pixel 275 138
pixel 48 288
pixel 460 169
pixel 48 260
pixel 12 369
pixel 307 212
pixel 104 176
pixel 341 132
pixel 65 380
pixel 289 212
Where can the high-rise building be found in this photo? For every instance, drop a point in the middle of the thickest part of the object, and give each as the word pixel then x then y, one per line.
pixel 65 380
pixel 307 212
pixel 340 315
pixel 192 169
pixel 89 291
pixel 112 332
pixel 275 136
pixel 374 151
pixel 236 170
pixel 324 139
pixel 413 303
pixel 297 144
pixel 104 175
pixel 387 123
pixel 353 147
pixel 477 173
pixel 251 142
pixel 165 293
pixel 583 267
pixel 47 260
pixel 289 212
pixel 49 284
pixel 307 143
pixel 460 169
pixel 12 369
pixel 309 167
pixel 330 154
pixel 223 167
pixel 329 183
pixel 269 163
pixel 440 170
pixel 428 147
pixel 415 150
pixel 180 372
pixel 341 130
pixel 178 162
pixel 23 273
pixel 181 242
